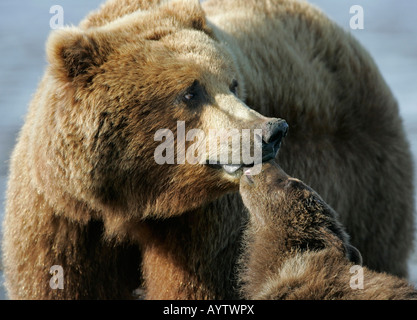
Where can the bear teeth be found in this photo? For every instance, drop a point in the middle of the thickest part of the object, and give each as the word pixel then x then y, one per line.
pixel 231 168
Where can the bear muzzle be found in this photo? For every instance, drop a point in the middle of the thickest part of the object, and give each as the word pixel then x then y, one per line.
pixel 273 132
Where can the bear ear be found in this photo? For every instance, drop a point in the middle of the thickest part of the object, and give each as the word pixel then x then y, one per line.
pixel 353 254
pixel 73 53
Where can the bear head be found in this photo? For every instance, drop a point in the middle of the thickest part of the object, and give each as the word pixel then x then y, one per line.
pixel 120 95
pixel 287 209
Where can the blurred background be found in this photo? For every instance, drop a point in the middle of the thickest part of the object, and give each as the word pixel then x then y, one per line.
pixel 389 34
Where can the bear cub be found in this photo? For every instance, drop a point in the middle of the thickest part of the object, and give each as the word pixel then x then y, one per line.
pixel 295 247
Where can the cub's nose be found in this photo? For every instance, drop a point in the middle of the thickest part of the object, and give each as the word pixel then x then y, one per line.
pixel 273 131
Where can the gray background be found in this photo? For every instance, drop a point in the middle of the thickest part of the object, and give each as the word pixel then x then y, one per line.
pixel 390 34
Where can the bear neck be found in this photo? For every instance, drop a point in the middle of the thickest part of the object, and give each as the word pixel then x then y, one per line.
pixel 202 260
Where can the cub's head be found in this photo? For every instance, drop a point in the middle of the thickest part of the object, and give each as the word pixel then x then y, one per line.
pixel 288 206
pixel 141 103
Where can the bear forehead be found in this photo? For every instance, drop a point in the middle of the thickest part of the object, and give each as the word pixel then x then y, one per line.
pixel 150 32
pixel 160 63
pixel 172 63
pixel 191 46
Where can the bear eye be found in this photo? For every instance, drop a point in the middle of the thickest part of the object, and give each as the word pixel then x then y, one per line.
pixel 191 92
pixel 233 87
pixel 188 96
pixel 195 95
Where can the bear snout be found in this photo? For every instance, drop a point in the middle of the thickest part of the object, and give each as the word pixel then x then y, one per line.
pixel 271 176
pixel 273 131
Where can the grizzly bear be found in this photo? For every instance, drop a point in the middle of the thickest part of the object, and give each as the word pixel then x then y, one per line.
pixel 295 247
pixel 85 191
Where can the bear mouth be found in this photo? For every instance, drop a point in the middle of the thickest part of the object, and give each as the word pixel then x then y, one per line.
pixel 237 169
pixel 231 169
pixel 269 152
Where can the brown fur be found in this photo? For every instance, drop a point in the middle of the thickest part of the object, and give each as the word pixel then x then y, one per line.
pixel 295 248
pixel 85 156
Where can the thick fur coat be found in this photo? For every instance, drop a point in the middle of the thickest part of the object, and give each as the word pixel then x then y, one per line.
pixel 295 247
pixel 86 193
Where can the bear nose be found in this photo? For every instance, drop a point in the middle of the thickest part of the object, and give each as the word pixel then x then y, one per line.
pixel 273 131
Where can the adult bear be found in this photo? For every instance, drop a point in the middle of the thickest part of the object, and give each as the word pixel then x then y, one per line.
pixel 85 190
